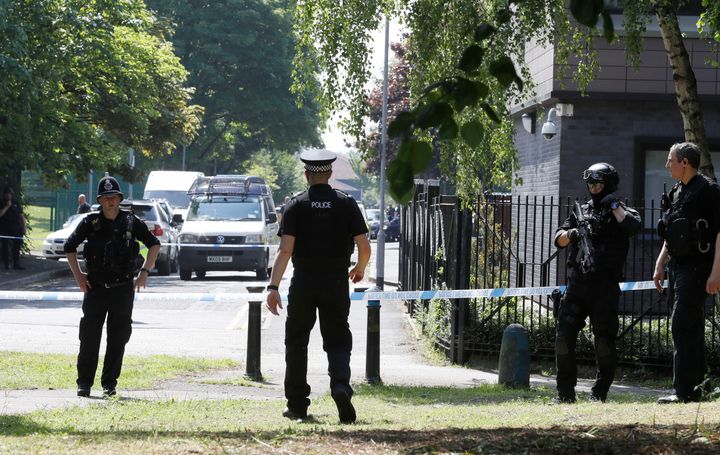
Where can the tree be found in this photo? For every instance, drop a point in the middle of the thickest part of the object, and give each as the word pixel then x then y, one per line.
pixel 463 76
pixel 83 81
pixel 239 54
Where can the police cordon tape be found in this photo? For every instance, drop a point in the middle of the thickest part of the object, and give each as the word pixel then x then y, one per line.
pixel 181 245
pixel 355 296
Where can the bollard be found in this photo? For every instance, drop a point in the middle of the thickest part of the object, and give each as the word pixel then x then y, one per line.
pixel 252 363
pixel 514 357
pixel 372 354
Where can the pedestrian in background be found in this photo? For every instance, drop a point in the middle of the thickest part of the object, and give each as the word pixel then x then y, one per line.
pixel 690 227
pixel 109 284
pixel 593 281
pixel 83 206
pixel 319 230
pixel 12 229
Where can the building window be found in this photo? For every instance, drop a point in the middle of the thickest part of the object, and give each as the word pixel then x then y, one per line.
pixel 657 178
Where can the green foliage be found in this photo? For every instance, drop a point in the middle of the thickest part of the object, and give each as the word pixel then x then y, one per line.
pixel 83 81
pixel 282 171
pixel 239 57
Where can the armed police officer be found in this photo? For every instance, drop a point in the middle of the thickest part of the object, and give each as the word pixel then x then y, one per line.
pixel 597 234
pixel 319 230
pixel 109 284
pixel 690 227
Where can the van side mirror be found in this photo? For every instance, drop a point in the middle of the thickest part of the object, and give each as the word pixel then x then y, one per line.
pixel 271 218
pixel 177 218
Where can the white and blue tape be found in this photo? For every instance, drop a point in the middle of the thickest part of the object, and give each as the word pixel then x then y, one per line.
pixel 355 296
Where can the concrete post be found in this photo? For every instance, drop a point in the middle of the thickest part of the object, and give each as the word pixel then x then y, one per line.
pixel 514 357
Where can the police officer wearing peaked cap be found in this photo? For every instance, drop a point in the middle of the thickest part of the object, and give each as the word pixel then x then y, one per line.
pixel 318 231
pixel 109 284
pixel 690 228
pixel 592 288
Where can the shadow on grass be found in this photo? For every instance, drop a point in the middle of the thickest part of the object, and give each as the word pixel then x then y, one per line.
pixel 484 394
pixel 609 439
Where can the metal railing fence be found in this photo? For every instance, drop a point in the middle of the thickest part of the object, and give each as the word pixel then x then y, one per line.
pixel 499 241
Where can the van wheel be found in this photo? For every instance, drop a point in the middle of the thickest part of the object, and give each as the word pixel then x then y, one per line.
pixel 163 267
pixel 185 274
pixel 261 273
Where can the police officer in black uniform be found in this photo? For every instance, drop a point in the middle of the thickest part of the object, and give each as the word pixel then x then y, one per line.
pixel 690 227
pixel 109 284
pixel 319 229
pixel 592 288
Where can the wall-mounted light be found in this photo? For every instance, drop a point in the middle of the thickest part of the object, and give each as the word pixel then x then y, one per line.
pixel 528 121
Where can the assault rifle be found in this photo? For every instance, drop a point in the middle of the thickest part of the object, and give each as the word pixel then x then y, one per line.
pixel 586 252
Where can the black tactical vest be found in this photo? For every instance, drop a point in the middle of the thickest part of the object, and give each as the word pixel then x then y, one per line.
pixel 683 226
pixel 111 248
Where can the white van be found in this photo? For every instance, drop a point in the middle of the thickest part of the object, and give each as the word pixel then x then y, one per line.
pixel 231 224
pixel 173 186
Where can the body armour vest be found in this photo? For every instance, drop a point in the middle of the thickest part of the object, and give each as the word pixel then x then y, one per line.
pixel 683 226
pixel 322 228
pixel 111 248
pixel 609 242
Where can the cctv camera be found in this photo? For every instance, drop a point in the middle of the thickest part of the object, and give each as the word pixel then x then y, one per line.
pixel 549 130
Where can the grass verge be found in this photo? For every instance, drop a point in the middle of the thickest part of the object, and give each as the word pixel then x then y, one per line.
pixel 22 370
pixel 487 419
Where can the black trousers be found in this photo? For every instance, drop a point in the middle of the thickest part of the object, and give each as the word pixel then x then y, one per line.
pixel 117 304
pixel 10 249
pixel 597 299
pixel 327 295
pixel 688 325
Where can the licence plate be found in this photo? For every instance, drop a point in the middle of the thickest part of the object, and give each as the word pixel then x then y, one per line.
pixel 219 258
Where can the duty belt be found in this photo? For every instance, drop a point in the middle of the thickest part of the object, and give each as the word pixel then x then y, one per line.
pixel 112 284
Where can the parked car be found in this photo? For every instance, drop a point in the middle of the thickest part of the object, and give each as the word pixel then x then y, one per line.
pixel 162 227
pixel 373 220
pixel 392 230
pixel 54 242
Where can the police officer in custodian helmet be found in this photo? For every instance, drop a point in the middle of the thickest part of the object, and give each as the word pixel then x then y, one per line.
pixel 318 230
pixel 593 278
pixel 690 227
pixel 109 284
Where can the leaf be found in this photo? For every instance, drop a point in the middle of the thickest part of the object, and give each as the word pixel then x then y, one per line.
pixel 400 124
pixel 483 31
pixel 433 114
pixel 586 11
pixel 420 157
pixel 471 58
pixel 490 112
pixel 448 130
pixel 503 16
pixel 503 70
pixel 400 181
pixel 465 93
pixel 608 27
pixel 472 133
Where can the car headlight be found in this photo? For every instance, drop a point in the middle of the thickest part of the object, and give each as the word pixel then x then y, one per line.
pixel 188 238
pixel 254 238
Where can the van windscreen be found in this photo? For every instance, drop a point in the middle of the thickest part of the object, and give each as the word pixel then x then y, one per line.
pixel 226 208
pixel 178 199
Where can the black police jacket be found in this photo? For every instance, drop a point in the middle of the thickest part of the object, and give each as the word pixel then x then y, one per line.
pixel 323 221
pixel 610 240
pixel 111 249
pixel 691 219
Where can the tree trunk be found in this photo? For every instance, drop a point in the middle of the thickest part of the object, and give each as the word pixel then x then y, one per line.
pixel 685 83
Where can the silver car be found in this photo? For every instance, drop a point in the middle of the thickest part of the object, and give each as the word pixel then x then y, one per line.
pixel 161 226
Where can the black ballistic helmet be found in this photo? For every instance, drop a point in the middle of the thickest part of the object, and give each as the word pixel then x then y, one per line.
pixel 107 186
pixel 602 173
